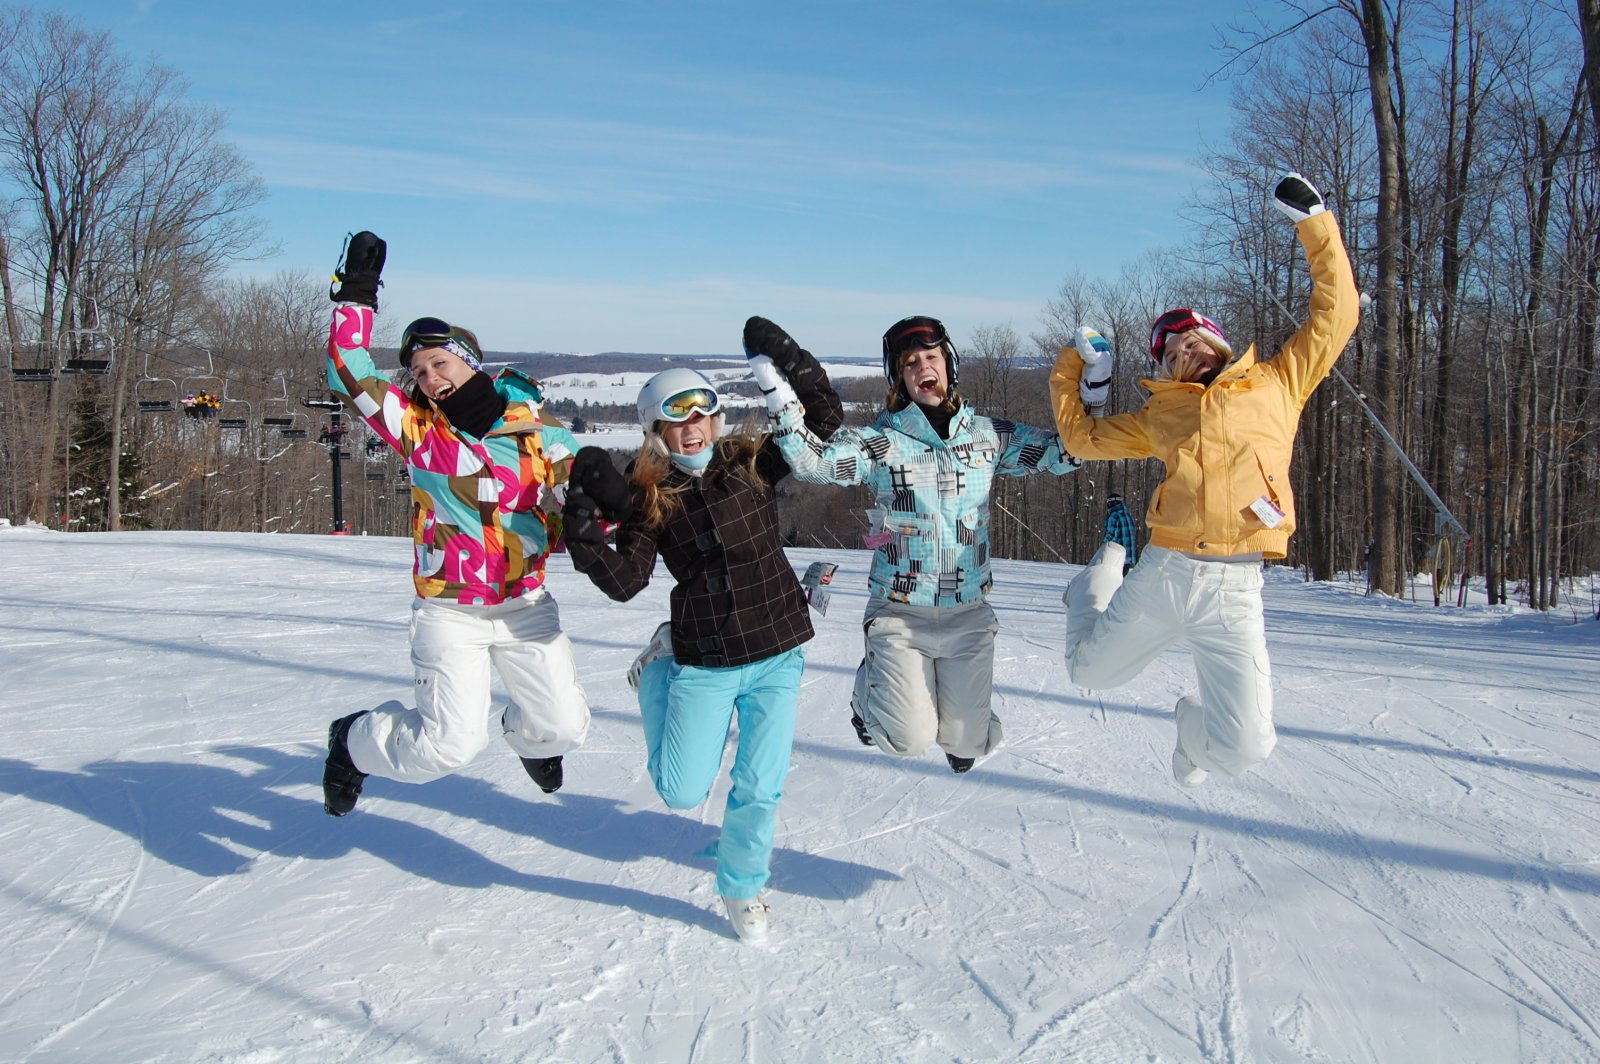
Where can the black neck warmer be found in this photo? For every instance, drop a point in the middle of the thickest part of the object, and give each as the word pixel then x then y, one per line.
pixel 475 406
pixel 939 417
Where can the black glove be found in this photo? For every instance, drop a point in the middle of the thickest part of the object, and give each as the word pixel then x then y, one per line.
pixel 798 366
pixel 594 478
pixel 1297 197
pixel 579 519
pixel 358 275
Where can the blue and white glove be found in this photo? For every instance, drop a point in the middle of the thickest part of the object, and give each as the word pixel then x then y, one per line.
pixel 1297 197
pixel 1094 387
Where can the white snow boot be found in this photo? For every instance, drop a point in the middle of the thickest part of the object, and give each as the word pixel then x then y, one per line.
pixel 660 646
pixel 749 918
pixel 1185 771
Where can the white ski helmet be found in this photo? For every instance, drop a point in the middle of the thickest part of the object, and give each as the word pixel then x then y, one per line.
pixel 675 395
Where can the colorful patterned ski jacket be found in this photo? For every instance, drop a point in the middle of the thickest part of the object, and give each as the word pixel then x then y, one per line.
pixel 484 512
pixel 736 599
pixel 930 528
pixel 1226 445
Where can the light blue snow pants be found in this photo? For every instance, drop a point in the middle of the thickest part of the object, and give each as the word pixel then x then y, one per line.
pixel 687 712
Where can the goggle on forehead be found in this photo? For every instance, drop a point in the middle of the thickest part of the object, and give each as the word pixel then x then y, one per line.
pixel 681 406
pixel 914 332
pixel 1178 321
pixel 424 332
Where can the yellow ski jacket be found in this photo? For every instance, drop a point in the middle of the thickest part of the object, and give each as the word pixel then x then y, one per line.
pixel 1226 445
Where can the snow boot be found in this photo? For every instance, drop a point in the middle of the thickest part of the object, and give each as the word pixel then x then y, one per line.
pixel 1184 770
pixel 861 728
pixel 749 918
pixel 960 765
pixel 545 771
pixel 660 646
pixel 341 780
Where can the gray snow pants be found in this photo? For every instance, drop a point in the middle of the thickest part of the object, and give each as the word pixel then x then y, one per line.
pixel 928 676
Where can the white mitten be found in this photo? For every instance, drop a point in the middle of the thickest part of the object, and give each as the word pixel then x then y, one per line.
pixel 774 389
pixel 1094 388
pixel 1297 197
pixel 660 646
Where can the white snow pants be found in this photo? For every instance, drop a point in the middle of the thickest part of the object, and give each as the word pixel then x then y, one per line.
pixel 928 677
pixel 452 648
pixel 1116 626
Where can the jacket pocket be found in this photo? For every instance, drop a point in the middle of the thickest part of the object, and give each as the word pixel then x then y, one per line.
pixel 1274 481
pixel 915 535
pixel 978 456
pixel 429 559
pixel 1270 482
pixel 972 528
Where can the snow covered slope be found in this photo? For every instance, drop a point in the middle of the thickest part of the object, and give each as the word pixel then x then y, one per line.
pixel 1414 876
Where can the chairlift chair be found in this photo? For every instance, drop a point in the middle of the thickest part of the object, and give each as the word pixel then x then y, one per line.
pixel 93 346
pixel 235 413
pixel 290 425
pixel 155 395
pixel 33 363
pixel 197 388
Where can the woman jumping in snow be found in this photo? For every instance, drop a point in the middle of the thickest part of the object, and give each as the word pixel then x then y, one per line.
pixel 704 502
pixel 1224 424
pixel 485 475
pixel 928 673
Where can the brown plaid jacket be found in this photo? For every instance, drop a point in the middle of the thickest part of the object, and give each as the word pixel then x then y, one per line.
pixel 737 599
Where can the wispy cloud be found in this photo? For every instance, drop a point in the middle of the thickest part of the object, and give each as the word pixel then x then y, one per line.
pixel 696 315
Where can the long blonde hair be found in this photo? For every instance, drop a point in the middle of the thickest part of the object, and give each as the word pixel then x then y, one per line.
pixel 662 502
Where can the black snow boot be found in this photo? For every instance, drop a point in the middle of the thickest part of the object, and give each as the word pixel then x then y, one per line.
pixel 958 765
pixel 341 780
pixel 861 729
pixel 545 771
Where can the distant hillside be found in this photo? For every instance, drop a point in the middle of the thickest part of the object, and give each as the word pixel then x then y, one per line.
pixel 550 363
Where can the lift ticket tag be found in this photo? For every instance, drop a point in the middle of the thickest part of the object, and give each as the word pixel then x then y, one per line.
pixel 1268 511
pixel 818 576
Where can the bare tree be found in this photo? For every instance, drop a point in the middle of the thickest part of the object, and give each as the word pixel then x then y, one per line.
pixel 1589 30
pixel 129 198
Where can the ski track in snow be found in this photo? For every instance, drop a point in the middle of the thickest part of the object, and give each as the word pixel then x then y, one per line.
pixel 1414 875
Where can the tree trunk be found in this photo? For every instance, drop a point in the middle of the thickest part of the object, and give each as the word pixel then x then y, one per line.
pixel 1386 487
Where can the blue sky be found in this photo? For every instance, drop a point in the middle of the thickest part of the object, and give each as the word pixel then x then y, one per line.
pixel 643 176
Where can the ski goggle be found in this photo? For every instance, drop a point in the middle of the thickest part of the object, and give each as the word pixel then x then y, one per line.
pixel 681 406
pixel 917 331
pixel 1177 321
pixel 436 332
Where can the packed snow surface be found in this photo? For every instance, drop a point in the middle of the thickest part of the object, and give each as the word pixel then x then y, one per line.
pixel 1414 876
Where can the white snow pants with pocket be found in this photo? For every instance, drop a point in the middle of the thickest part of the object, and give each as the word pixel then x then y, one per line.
pixel 1116 626
pixel 928 677
pixel 452 649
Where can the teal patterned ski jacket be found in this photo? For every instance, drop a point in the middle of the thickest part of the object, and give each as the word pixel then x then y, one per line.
pixel 930 522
